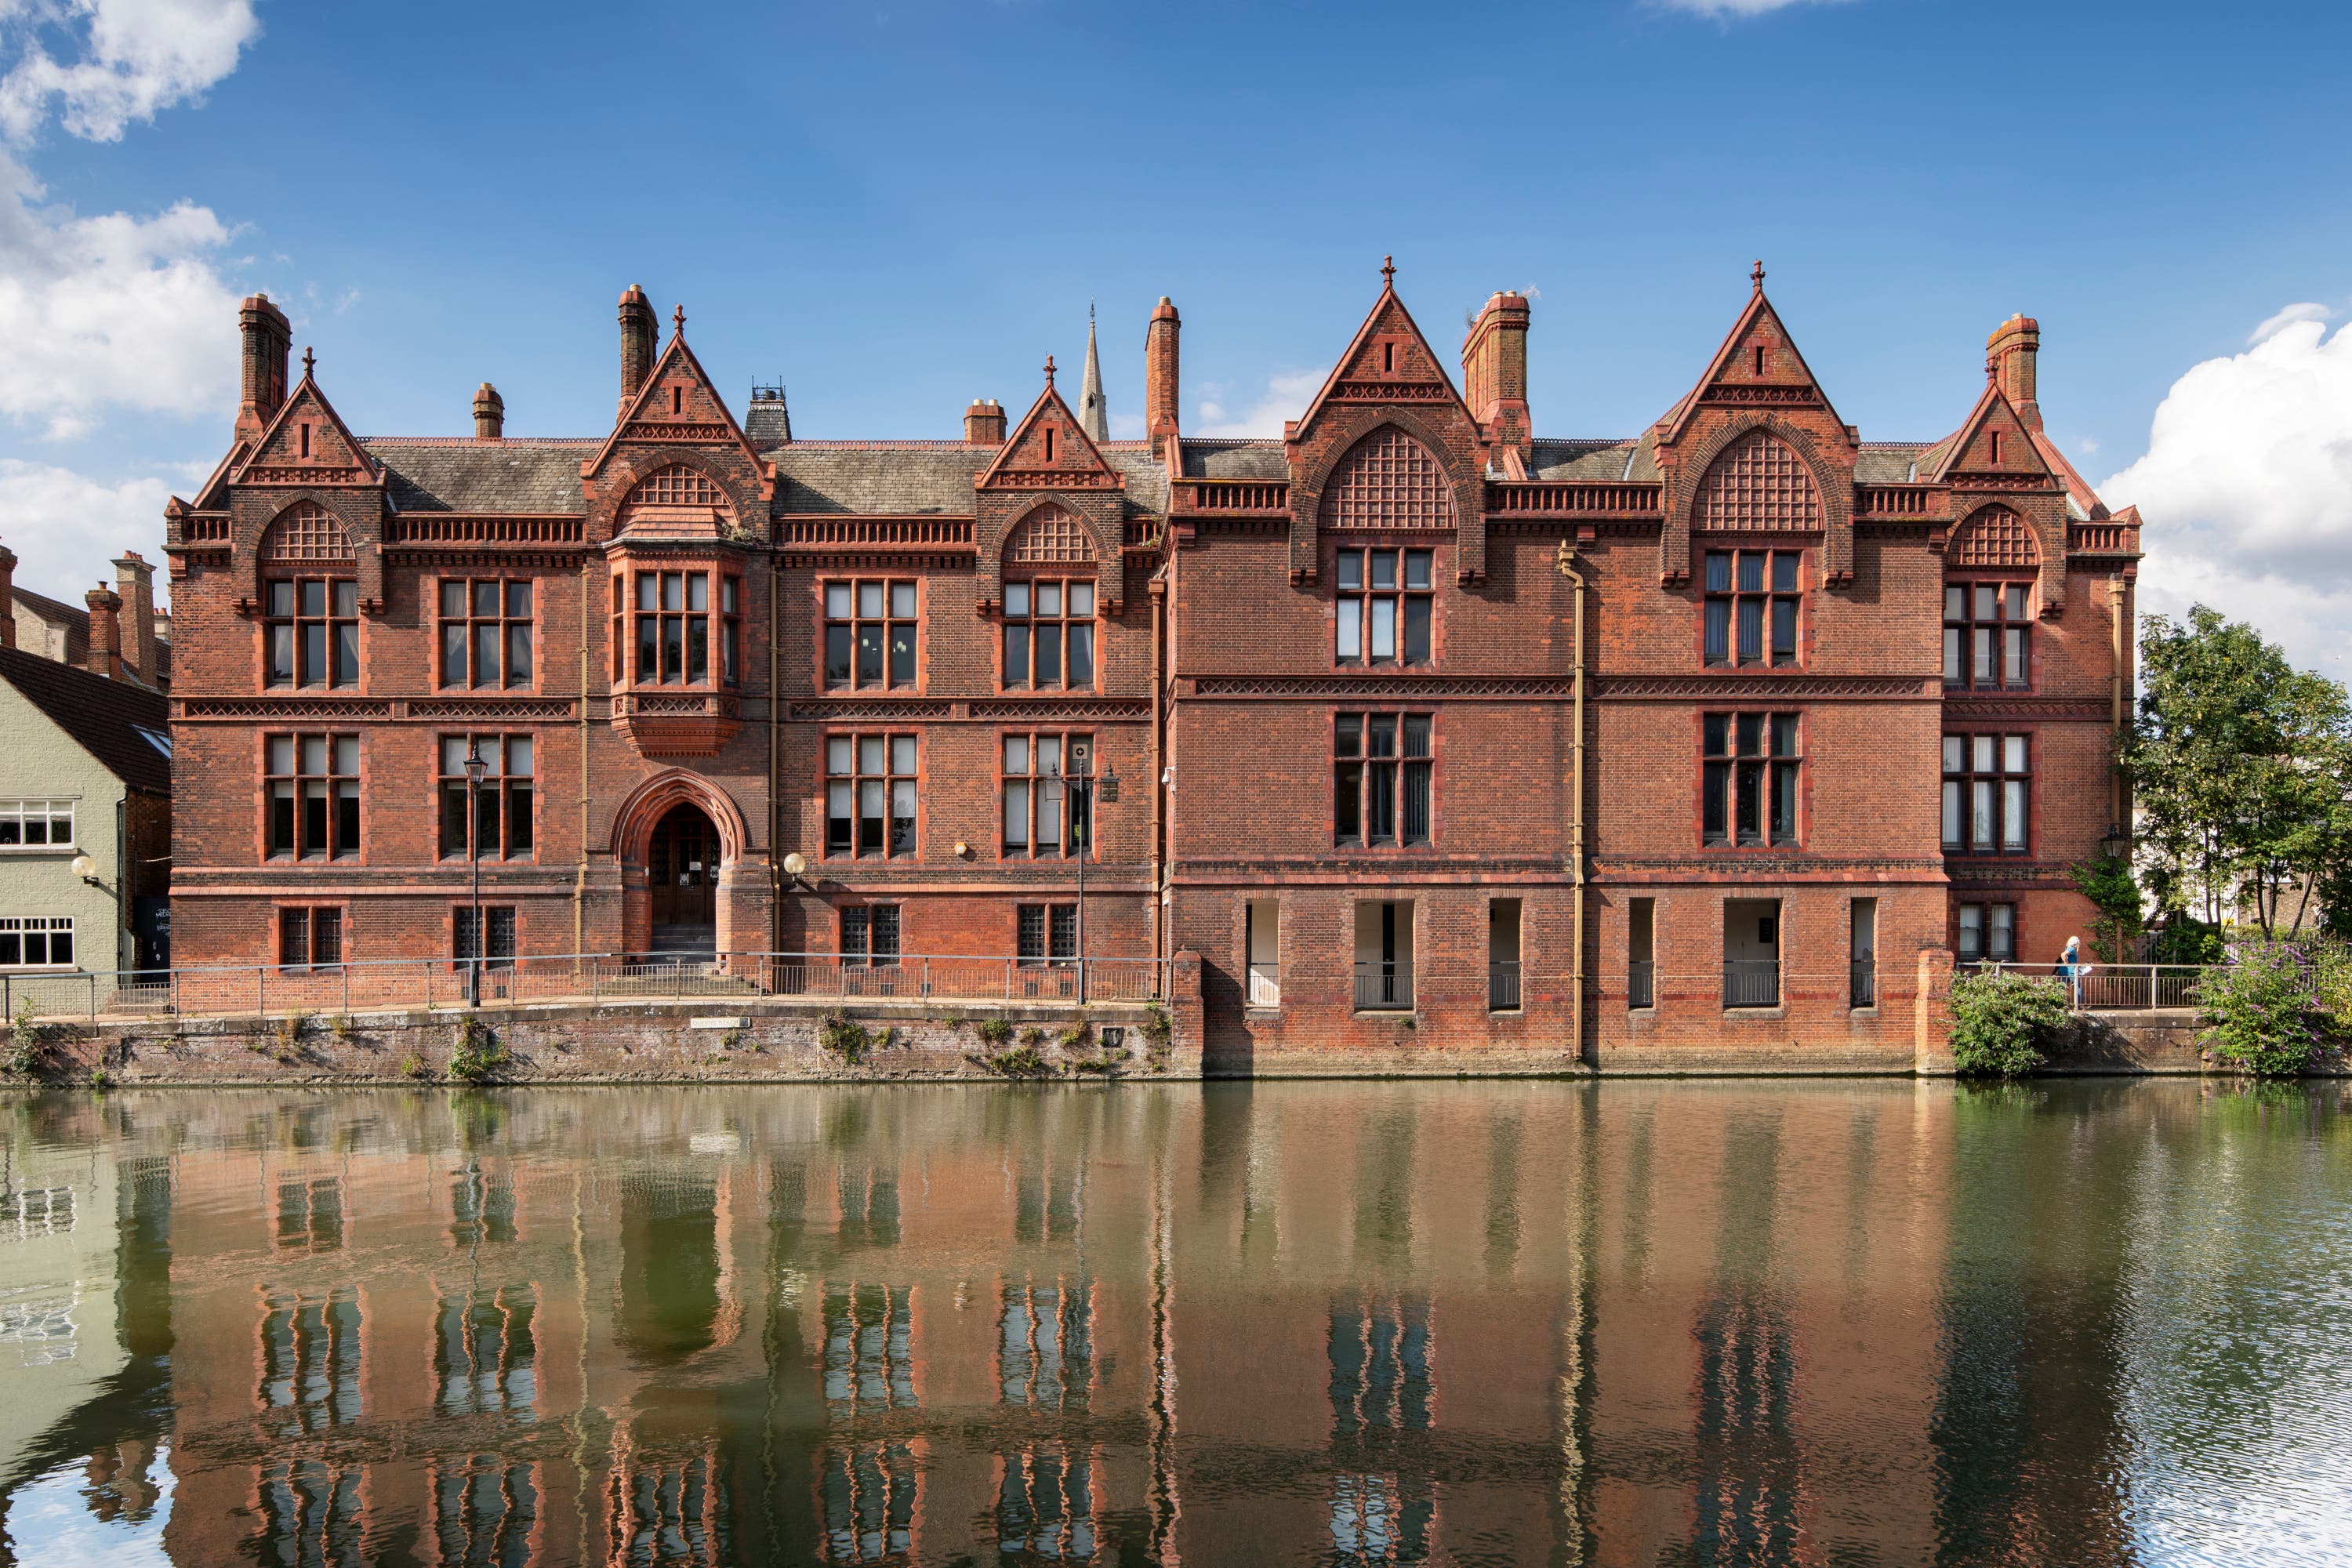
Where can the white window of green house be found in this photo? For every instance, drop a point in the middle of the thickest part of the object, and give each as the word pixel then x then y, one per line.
pixel 36 823
pixel 36 942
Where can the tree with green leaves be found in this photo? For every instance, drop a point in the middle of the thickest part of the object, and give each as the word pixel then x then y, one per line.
pixel 2242 767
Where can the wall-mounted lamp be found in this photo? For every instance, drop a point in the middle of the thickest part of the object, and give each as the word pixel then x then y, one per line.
pixel 795 865
pixel 87 870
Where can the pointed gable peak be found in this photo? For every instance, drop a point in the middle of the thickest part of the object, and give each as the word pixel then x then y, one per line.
pixel 307 442
pixel 678 403
pixel 1049 449
pixel 1758 366
pixel 1994 445
pixel 1390 360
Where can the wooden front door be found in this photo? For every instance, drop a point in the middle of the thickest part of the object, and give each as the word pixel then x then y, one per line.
pixel 682 867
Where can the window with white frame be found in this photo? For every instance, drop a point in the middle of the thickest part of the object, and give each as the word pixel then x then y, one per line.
pixel 36 942
pixel 1987 934
pixel 35 824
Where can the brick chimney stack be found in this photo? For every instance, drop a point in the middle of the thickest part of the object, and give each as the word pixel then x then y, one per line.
pixel 134 581
pixel 489 414
pixel 983 423
pixel 105 636
pixel 7 598
pixel 267 337
pixel 1495 371
pixel 1160 378
pixel 639 340
pixel 2011 354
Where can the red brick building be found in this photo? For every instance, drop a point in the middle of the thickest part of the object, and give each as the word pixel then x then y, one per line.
pixel 1434 739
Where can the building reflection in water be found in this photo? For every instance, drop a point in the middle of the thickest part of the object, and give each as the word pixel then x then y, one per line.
pixel 1353 1323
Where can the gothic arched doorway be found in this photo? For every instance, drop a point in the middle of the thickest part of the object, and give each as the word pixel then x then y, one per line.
pixel 682 875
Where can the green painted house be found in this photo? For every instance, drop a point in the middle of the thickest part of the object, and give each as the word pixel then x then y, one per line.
pixel 85 821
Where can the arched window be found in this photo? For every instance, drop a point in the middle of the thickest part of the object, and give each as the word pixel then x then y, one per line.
pixel 306 531
pixel 679 499
pixel 1758 482
pixel 1050 537
pixel 1049 604
pixel 311 629
pixel 1992 538
pixel 1388 479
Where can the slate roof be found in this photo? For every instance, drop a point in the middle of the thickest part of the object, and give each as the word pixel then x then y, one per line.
pixel 914 479
pixel 459 475
pixel 75 618
pixel 1886 462
pixel 1217 459
pixel 98 714
pixel 1593 462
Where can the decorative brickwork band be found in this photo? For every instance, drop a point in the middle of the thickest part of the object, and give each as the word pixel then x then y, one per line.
pixel 1761 688
pixel 1381 688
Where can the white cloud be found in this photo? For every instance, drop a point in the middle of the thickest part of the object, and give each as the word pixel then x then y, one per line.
pixel 1734 8
pixel 1284 397
pixel 2246 492
pixel 129 59
pixel 2306 312
pixel 113 310
pixel 119 308
pixel 66 527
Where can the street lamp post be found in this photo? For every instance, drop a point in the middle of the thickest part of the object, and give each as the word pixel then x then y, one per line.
pixel 1082 788
pixel 475 768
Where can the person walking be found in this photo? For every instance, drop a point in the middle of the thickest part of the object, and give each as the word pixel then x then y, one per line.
pixel 2071 967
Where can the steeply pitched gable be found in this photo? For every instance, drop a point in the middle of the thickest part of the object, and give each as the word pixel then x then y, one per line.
pixel 1390 360
pixel 1992 442
pixel 1758 366
pixel 679 403
pixel 1049 449
pixel 307 442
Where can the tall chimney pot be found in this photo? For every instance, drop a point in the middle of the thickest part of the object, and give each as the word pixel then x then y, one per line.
pixel 1159 377
pixel 134 581
pixel 266 338
pixel 489 414
pixel 983 423
pixel 105 636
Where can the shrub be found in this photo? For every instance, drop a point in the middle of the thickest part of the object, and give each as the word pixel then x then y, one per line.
pixel 477 1053
pixel 1076 1039
pixel 847 1038
pixel 1032 1036
pixel 953 1022
pixel 417 1067
pixel 1159 1036
pixel 2001 1020
pixel 100 1080
pixel 2268 1010
pixel 995 1033
pixel 24 1042
pixel 1024 1062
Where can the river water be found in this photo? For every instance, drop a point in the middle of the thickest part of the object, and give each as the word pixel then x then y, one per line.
pixel 1869 1322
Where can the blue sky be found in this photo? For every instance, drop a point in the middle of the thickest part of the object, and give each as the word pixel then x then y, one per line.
pixel 896 209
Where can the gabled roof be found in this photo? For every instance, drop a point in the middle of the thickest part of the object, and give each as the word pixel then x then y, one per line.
pixel 1757 321
pixel 270 447
pixel 1024 451
pixel 640 409
pixel 1967 449
pixel 1387 317
pixel 104 717
pixel 2078 490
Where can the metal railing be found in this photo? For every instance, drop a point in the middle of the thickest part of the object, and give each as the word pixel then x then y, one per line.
pixel 1502 985
pixel 1642 983
pixel 2112 987
pixel 1861 983
pixel 1265 986
pixel 388 984
pixel 1383 987
pixel 1751 982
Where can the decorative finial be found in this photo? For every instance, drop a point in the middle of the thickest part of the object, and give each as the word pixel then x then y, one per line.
pixel 308 359
pixel 1757 277
pixel 1049 370
pixel 1388 271
pixel 1090 312
pixel 678 317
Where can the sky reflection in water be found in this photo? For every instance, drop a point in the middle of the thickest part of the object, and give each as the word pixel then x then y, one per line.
pixel 1883 1323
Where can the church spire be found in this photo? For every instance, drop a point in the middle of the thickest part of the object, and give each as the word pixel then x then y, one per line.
pixel 1094 418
